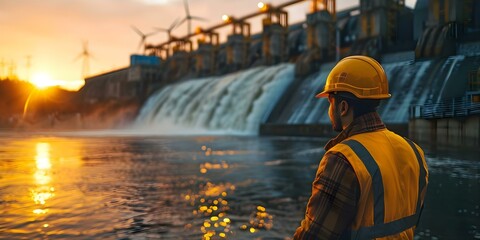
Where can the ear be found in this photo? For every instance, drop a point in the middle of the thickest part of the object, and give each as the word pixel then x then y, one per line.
pixel 344 108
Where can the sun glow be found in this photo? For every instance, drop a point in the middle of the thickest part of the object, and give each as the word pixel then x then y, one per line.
pixel 42 80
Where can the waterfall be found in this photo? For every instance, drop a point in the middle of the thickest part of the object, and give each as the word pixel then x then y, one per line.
pixel 303 107
pixel 407 82
pixel 417 83
pixel 240 102
pixel 235 103
pixel 410 83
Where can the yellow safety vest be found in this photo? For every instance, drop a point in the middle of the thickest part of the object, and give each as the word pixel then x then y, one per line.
pixel 392 174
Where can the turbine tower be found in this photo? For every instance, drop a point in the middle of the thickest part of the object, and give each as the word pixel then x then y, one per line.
pixel 189 17
pixel 85 55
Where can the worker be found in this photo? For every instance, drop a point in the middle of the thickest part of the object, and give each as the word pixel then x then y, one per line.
pixel 371 182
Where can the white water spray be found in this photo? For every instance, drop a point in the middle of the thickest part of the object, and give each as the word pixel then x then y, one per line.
pixel 235 103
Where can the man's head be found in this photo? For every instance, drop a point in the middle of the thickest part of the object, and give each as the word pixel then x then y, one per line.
pixel 354 87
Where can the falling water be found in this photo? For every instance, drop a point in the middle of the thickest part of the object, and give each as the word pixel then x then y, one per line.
pixel 237 102
pixel 240 102
pixel 303 107
pixel 417 83
pixel 410 82
pixel 408 85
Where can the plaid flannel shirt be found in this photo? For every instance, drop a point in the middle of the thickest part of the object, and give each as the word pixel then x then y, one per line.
pixel 332 206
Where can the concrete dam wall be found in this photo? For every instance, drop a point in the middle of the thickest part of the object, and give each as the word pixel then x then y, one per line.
pixel 272 96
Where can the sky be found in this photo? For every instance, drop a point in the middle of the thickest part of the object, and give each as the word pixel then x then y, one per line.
pixel 43 39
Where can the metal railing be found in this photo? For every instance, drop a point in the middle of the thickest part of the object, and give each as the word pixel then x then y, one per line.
pixel 457 107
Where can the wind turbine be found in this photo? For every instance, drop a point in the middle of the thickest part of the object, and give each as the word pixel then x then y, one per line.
pixel 169 29
pixel 189 17
pixel 143 37
pixel 85 55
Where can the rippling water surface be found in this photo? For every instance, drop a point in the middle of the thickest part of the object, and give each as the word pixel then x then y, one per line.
pixel 219 187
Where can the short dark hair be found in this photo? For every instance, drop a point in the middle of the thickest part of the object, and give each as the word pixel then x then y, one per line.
pixel 360 106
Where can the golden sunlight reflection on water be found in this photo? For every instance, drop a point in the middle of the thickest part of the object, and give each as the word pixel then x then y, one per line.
pixel 42 192
pixel 212 201
pixel 51 156
pixel 212 207
pixel 39 166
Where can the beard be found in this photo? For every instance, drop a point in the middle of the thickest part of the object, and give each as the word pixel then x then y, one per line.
pixel 337 122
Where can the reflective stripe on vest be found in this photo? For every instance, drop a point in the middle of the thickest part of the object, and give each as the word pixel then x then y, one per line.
pixel 381 229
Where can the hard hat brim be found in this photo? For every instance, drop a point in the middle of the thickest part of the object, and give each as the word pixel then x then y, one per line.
pixel 322 95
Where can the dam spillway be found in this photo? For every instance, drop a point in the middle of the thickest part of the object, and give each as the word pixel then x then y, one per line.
pixel 234 103
pixel 411 83
pixel 240 102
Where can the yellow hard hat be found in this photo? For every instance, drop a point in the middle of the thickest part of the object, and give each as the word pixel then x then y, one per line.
pixel 362 76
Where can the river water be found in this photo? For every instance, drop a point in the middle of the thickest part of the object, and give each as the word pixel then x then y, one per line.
pixel 82 186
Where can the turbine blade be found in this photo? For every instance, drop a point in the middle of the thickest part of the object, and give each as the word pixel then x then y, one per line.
pixel 181 22
pixel 77 57
pixel 199 18
pixel 137 30
pixel 174 24
pixel 161 29
pixel 151 33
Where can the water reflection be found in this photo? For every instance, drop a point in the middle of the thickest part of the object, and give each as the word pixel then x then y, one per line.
pixel 43 191
pixel 211 206
pixel 260 219
pixel 215 197
pixel 30 200
pixel 155 188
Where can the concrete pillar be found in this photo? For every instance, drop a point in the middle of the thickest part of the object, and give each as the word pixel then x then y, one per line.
pixel 275 37
pixel 206 59
pixel 422 130
pixel 379 19
pixel 238 44
pixel 446 11
pixel 177 66
pixel 472 130
pixel 321 33
pixel 237 52
pixel 373 18
pixel 206 56
pixel 179 57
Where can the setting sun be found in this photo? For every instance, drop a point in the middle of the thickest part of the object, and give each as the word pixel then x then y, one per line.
pixel 42 80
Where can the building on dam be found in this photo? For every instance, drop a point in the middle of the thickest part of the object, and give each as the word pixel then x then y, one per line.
pixel 431 54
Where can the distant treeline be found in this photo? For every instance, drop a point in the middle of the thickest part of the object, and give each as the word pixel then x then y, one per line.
pixel 14 95
pixel 25 107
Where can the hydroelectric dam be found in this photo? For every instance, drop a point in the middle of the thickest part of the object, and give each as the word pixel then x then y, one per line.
pixel 265 83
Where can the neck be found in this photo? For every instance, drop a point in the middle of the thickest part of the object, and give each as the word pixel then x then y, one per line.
pixel 347 119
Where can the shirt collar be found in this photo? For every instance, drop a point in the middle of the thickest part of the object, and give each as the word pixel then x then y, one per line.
pixel 368 122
